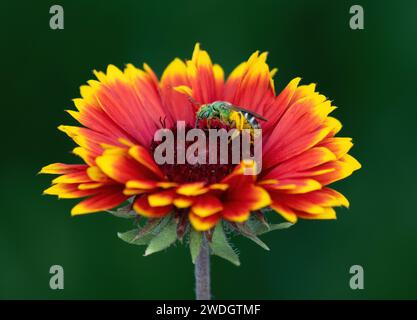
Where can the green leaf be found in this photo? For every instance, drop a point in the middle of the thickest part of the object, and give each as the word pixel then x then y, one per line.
pixel 143 235
pixel 133 237
pixel 259 228
pixel 220 247
pixel 278 226
pixel 247 232
pixel 154 225
pixel 125 212
pixel 195 243
pixel 163 239
pixel 256 226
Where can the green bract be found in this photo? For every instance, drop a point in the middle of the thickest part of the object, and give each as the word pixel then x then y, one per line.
pixel 159 234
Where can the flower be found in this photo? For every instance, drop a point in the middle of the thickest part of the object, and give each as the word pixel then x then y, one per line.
pixel 121 111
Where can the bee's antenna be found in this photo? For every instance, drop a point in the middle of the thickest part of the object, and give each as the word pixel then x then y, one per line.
pixel 193 101
pixel 163 121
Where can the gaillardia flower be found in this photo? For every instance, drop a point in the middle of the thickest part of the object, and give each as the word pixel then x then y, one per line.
pixel 121 111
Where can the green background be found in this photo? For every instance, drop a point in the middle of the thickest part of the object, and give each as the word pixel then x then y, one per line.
pixel 369 74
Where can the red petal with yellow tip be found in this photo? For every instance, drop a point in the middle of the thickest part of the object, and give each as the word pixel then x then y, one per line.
pixel 123 168
pixel 205 81
pixel 142 207
pixel 141 155
pixel 250 85
pixel 309 159
pixel 104 200
pixel 178 105
pixel 68 191
pixel 161 199
pixel 206 205
pixel 62 168
pixel 203 224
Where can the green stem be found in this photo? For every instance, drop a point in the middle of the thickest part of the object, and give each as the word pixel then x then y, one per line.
pixel 202 272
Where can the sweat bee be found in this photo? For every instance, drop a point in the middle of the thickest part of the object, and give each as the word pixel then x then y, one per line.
pixel 231 115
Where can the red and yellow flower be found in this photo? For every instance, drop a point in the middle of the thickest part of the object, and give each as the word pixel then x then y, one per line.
pixel 121 111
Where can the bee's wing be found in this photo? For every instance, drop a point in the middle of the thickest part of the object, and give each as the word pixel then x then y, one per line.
pixel 236 108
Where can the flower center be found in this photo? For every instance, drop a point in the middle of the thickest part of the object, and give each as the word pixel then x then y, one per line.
pixel 195 172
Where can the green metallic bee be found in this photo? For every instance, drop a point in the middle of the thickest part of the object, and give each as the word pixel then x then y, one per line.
pixel 229 114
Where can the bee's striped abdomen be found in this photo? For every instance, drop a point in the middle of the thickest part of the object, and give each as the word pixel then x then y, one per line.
pixel 250 118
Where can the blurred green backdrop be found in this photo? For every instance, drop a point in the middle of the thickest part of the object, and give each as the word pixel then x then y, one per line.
pixel 370 75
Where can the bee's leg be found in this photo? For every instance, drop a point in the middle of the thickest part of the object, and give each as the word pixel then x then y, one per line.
pixel 235 134
pixel 242 121
pixel 193 101
pixel 239 127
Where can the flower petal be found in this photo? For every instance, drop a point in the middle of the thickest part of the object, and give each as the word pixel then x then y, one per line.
pixel 343 168
pixel 327 214
pixel 250 85
pixel 161 199
pixel 339 146
pixel 142 207
pixel 62 168
pixel 123 168
pixel 206 81
pixel 309 159
pixel 182 202
pixel 131 101
pixel 106 199
pixel 206 205
pixel 286 212
pixel 294 186
pixel 68 191
pixel 77 177
pixel 203 224
pixel 177 105
pixel 192 189
pixel 141 155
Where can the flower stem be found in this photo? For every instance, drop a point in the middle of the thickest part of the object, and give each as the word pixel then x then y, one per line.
pixel 202 272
